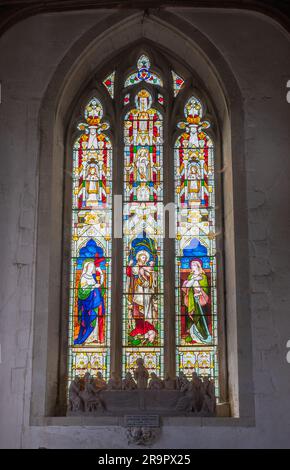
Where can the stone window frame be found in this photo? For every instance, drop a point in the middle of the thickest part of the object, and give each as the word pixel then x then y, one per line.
pixel 62 98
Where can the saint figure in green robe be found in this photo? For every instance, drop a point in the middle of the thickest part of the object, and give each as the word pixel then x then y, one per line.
pixel 196 299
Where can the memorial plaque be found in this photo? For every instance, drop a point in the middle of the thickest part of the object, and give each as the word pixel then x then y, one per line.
pixel 142 421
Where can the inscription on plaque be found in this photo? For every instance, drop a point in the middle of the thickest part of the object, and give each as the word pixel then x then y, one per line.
pixel 142 421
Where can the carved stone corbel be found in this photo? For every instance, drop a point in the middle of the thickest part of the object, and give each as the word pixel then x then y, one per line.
pixel 143 436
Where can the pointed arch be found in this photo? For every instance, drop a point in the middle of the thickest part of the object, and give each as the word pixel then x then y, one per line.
pixel 168 32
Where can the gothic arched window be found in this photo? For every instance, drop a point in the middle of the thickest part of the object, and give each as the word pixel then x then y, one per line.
pixel 150 293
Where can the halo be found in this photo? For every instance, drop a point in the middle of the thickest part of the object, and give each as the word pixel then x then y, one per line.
pixel 143 252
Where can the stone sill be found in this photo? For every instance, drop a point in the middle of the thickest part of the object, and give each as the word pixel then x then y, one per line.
pixel 222 419
pixel 87 421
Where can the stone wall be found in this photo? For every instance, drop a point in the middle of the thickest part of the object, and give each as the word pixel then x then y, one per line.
pixel 256 50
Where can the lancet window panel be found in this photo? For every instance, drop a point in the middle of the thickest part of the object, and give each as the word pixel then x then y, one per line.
pixel 195 262
pixel 143 304
pixel 91 247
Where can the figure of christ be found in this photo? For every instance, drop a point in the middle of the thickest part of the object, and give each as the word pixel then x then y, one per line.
pixel 143 165
pixel 94 190
pixel 143 192
pixel 93 138
pixel 196 299
pixel 141 285
pixel 92 184
pixel 194 182
pixel 144 129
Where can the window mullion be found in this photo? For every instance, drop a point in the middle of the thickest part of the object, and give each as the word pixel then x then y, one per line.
pixel 169 249
pixel 117 242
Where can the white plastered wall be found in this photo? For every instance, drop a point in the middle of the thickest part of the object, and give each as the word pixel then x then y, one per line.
pixel 256 50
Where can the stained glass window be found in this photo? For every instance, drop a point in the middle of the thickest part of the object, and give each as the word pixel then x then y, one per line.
pixel 145 308
pixel 91 247
pixel 196 299
pixel 143 237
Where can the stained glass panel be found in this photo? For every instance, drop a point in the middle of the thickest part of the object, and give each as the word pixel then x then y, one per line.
pixel 126 99
pixel 143 236
pixel 109 83
pixel 91 243
pixel 160 99
pixel 143 73
pixel 196 298
pixel 178 82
